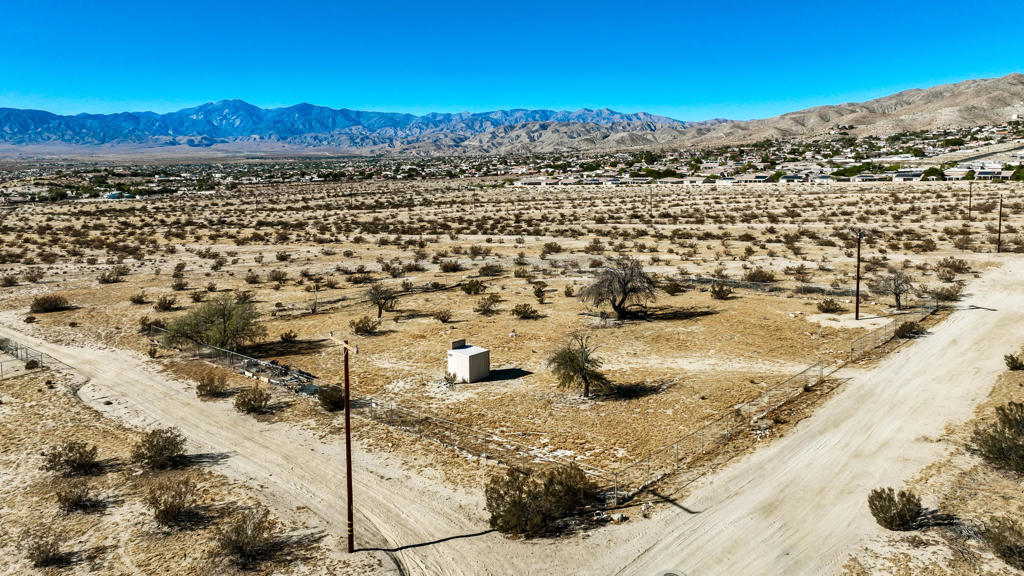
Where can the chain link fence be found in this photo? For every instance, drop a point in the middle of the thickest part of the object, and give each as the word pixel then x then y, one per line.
pixel 879 336
pixel 23 359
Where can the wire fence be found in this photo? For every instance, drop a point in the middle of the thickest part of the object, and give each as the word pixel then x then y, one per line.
pixel 23 359
pixel 879 336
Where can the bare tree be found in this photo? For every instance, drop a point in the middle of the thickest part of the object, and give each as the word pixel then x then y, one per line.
pixel 622 284
pixel 381 297
pixel 897 284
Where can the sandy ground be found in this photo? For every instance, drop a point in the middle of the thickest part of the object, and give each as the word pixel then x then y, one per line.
pixel 795 507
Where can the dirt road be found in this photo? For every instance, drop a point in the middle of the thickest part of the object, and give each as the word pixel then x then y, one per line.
pixel 794 507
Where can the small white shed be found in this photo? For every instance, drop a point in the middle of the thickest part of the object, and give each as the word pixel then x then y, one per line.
pixel 468 363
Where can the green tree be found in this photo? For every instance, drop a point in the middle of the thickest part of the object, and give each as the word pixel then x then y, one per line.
pixel 933 172
pixel 381 297
pixel 225 321
pixel 576 365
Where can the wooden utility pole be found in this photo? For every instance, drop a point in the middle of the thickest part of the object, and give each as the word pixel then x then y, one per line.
pixel 970 198
pixel 348 445
pixel 861 233
pixel 999 233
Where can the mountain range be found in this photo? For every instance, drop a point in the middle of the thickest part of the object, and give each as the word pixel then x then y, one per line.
pixel 234 126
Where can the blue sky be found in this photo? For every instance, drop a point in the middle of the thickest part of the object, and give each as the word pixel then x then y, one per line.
pixel 688 60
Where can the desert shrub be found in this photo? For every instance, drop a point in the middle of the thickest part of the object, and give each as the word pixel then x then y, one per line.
pixel 524 502
pixel 360 279
pixel 443 315
pixel 1006 540
pixel 332 398
pixel 276 275
pixel 451 266
pixel 909 330
pixel 947 293
pixel 33 275
pixel 248 537
pixel 8 280
pixel 364 325
pixel 32 364
pixel 491 270
pixel 43 548
pixel 895 510
pixel 137 298
pixel 473 287
pixel 673 287
pixel 49 303
pixel 160 448
pixel 252 277
pixel 720 291
pixel 957 265
pixel 197 295
pixel 109 277
pixel 252 400
pixel 759 275
pixel 830 306
pixel 487 305
pixel 569 291
pixel 289 336
pixel 227 321
pixel 382 297
pixel 170 499
pixel 1014 362
pixel 211 383
pixel 72 495
pixel 179 285
pixel 1001 443
pixel 525 312
pixel 72 458
pixel 165 303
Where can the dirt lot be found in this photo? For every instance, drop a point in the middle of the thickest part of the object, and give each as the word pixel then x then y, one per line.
pixel 694 359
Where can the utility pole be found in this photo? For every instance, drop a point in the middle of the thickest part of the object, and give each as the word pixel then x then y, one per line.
pixel 861 233
pixel 348 443
pixel 970 198
pixel 999 233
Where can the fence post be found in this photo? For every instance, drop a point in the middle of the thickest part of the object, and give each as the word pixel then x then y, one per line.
pixel 616 493
pixel 675 462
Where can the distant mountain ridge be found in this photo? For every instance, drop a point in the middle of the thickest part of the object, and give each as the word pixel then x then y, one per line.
pixel 302 125
pixel 235 126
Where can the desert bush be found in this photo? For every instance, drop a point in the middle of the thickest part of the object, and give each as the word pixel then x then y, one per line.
pixel 248 537
pixel 138 298
pixel 525 312
pixel 31 364
pixel 569 291
pixel 444 315
pixel 382 298
pixel 491 270
pixel 33 275
pixel 8 280
pixel 895 510
pixel 43 548
pixel 451 266
pixel 1001 442
pixel 179 285
pixel 1014 362
pixel 720 291
pixel 289 336
pixel 109 277
pixel 226 321
pixel 947 293
pixel 524 502
pixel 72 495
pixel 160 448
pixel 576 364
pixel 473 287
pixel 165 303
pixel 197 295
pixel 332 398
pixel 49 303
pixel 759 275
pixel 956 265
pixel 211 383
pixel 364 325
pixel 252 400
pixel 830 306
pixel 72 458
pixel 252 277
pixel 1006 540
pixel 170 499
pixel 487 305
pixel 908 330
pixel 673 287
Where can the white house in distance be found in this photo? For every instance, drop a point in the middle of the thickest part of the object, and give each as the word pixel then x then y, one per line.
pixel 468 363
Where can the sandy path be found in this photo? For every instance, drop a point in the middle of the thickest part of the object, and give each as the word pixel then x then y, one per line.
pixel 796 506
pixel 299 475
